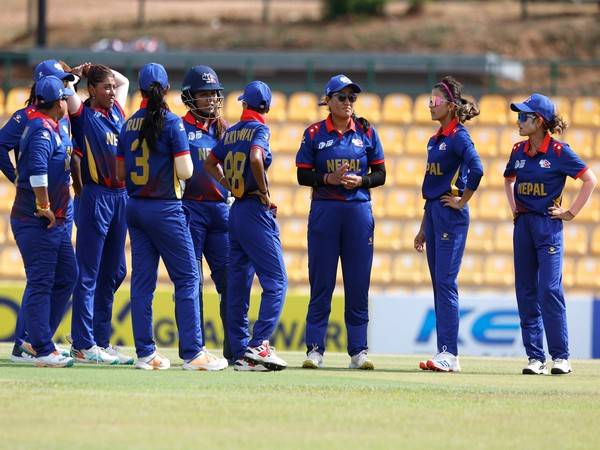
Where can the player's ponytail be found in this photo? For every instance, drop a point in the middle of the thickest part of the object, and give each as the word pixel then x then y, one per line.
pixel 558 125
pixel 31 100
pixel 154 119
pixel 452 90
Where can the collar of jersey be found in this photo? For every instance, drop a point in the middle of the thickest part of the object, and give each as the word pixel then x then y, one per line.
pixel 44 117
pixel 248 115
pixel 449 128
pixel 202 125
pixel 543 148
pixel 144 103
pixel 330 127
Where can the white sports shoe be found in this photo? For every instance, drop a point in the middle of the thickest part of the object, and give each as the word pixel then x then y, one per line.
pixel 444 362
pixel 54 359
pixel 561 367
pixel 18 355
pixel 361 361
pixel 241 365
pixel 93 355
pixel 114 350
pixel 155 361
pixel 205 361
pixel 63 351
pixel 314 360
pixel 265 354
pixel 535 367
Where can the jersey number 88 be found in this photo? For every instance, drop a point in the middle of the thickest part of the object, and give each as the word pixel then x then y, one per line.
pixel 234 172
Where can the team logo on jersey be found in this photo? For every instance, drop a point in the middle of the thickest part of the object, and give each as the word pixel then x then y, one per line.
pixel 45 135
pixel 324 144
pixel 443 146
pixel 429 147
pixel 445 237
pixel 552 250
pixel 181 126
pixel 194 135
pixel 358 142
pixel 519 163
pixel 544 164
pixel 18 118
pixel 370 240
pixel 209 78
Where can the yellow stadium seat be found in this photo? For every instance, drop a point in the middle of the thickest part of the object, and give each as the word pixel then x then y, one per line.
pixel 597 147
pixel 7 195
pixel 173 99
pixel 586 112
pixel 293 234
pixel 290 137
pixel 381 271
pixel 563 107
pixel 493 205
pixel 474 204
pixel 421 113
pixel 509 136
pixel 11 263
pixel 232 107
pixel 295 266
pixel 587 272
pixel 283 170
pixel 401 203
pixel 277 113
pixel 368 105
pixel 134 103
pixel 388 235
pixel 4 228
pixel 16 99
pixel 591 211
pixel 596 240
pixel 481 237
pixel 471 270
pixel 2 111
pixel 581 141
pixel 503 237
pixel 485 140
pixel 302 107
pixel 493 110
pixel 378 203
pixel 283 197
pixel 409 231
pixel 392 139
pixel 397 108
pixel 575 239
pixel 499 270
pixel 410 268
pixel 417 138
pixel 410 171
pixel 302 199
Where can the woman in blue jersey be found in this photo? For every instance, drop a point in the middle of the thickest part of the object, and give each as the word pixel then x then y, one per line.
pixel 341 158
pixel 100 220
pixel 40 219
pixel 10 135
pixel 204 198
pixel 452 175
pixel 534 180
pixel 153 156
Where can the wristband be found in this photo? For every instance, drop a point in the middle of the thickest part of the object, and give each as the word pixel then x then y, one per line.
pixel 42 207
pixel 221 179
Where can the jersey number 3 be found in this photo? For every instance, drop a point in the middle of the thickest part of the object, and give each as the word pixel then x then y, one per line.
pixel 234 172
pixel 141 162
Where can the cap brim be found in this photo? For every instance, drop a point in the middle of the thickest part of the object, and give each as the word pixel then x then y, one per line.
pixel 241 98
pixel 67 76
pixel 521 107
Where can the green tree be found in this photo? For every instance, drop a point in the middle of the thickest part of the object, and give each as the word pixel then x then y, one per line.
pixel 336 8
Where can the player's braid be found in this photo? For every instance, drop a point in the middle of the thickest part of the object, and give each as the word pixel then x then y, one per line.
pixel 153 121
pixel 364 123
pixel 221 127
pixel 558 125
pixel 31 100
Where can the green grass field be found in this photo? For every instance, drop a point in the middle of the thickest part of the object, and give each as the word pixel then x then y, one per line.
pixel 488 406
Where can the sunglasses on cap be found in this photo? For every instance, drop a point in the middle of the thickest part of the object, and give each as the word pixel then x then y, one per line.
pixel 342 97
pixel 523 116
pixel 435 101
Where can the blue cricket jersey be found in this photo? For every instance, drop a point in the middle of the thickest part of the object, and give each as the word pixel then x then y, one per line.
pixel 45 149
pixel 202 138
pixel 324 149
pixel 10 135
pixel 540 179
pixel 96 132
pixel 452 163
pixel 233 152
pixel 150 173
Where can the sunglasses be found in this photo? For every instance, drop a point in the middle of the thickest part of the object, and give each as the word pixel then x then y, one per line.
pixel 342 97
pixel 435 101
pixel 523 116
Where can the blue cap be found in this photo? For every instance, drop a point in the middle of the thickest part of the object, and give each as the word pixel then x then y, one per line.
pixel 51 88
pixel 257 95
pixel 201 78
pixel 539 104
pixel 339 82
pixel 153 73
pixel 51 67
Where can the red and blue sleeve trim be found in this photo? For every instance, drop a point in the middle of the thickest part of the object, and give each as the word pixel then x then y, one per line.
pixel 304 166
pixel 181 153
pixel 79 111
pixel 581 172
pixel 376 162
